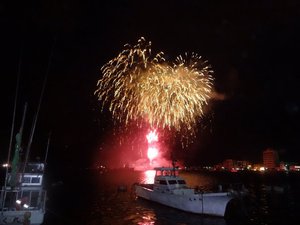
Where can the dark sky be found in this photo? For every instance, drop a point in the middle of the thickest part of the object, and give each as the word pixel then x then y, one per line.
pixel 252 46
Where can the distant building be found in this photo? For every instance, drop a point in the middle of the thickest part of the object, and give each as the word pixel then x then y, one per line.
pixel 270 159
pixel 235 165
pixel 243 164
pixel 228 164
pixel 218 166
pixel 294 167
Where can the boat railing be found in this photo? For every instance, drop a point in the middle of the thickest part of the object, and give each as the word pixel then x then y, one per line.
pixel 166 171
pixel 22 199
pixel 33 167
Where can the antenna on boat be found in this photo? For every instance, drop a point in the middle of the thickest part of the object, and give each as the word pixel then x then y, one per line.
pixel 38 109
pixel 47 149
pixel 13 176
pixel 13 119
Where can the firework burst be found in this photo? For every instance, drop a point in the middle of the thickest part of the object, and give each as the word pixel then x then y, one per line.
pixel 137 86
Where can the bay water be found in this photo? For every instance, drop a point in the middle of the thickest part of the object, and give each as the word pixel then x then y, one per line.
pixel 91 197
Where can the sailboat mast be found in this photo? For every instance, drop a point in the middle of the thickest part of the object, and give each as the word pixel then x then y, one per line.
pixel 38 109
pixel 13 119
pixel 33 127
pixel 15 161
pixel 48 144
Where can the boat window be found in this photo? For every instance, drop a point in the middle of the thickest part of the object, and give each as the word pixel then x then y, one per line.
pixel 35 180
pixel 26 179
pixel 181 182
pixel 163 182
pixel 166 173
pixel 172 181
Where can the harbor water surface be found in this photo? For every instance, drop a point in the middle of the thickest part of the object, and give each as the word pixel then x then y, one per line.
pixel 92 197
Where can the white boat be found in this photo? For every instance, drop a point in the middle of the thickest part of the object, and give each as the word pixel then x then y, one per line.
pixel 24 203
pixel 171 190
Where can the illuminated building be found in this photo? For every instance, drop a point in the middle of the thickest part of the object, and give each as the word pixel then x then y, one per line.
pixel 270 158
pixel 234 165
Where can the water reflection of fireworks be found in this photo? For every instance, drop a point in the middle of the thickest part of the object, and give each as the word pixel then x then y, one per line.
pixel 148 177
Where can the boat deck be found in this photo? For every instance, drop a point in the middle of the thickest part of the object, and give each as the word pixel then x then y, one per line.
pixel 148 186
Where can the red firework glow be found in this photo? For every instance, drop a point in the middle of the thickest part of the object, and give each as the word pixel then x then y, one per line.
pixel 152 153
pixel 152 138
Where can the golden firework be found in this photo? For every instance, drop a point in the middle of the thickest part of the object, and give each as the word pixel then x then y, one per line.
pixel 137 86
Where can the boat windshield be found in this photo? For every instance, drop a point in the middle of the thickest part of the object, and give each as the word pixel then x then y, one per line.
pixel 181 182
pixel 172 181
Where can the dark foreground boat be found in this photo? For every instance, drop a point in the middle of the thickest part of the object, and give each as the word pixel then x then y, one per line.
pixel 23 198
pixel 24 202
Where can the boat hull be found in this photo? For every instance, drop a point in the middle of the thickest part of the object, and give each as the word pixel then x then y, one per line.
pixel 35 217
pixel 207 203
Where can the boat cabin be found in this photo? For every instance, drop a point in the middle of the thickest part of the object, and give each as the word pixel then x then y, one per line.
pixel 32 176
pixel 28 192
pixel 167 180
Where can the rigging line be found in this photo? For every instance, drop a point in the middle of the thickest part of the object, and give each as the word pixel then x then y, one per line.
pixel 39 105
pixel 48 144
pixel 14 116
pixel 13 178
pixel 15 107
pixel 15 103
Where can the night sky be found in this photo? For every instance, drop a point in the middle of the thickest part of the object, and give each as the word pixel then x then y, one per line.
pixel 252 46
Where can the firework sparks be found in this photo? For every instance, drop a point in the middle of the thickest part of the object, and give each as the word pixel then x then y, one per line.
pixel 137 86
pixel 152 138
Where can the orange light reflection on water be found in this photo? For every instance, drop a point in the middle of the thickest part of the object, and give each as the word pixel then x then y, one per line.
pixel 148 177
pixel 147 220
